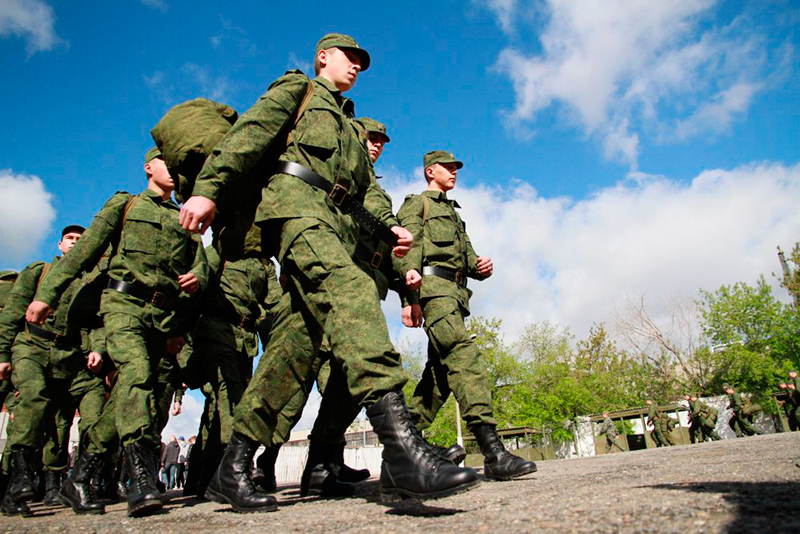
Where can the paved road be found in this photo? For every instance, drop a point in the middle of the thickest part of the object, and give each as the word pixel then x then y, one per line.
pixel 745 485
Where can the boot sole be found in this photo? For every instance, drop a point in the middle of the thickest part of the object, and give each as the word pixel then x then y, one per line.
pixel 400 494
pixel 145 508
pixel 510 477
pixel 216 496
pixel 66 502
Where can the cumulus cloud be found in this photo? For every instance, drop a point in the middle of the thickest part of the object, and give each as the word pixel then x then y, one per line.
pixel 621 68
pixel 576 262
pixel 33 20
pixel 295 62
pixel 26 214
pixel 190 81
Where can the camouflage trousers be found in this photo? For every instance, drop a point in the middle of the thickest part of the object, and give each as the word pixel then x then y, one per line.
pixel 661 435
pixel 611 442
pixel 328 295
pixel 454 363
pixel 743 424
pixel 48 398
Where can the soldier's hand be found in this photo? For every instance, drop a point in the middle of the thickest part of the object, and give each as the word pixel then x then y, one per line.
pixel 176 408
pixel 412 316
pixel 197 214
pixel 5 370
pixel 189 283
pixel 404 241
pixel 485 266
pixel 37 312
pixel 94 362
pixel 413 279
pixel 175 344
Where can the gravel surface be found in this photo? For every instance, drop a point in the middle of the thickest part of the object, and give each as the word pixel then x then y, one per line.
pixel 743 485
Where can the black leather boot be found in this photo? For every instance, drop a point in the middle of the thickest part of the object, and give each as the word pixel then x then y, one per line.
pixel 143 496
pixel 232 484
pixel 21 486
pixel 76 491
pixel 10 507
pixel 52 485
pixel 499 464
pixel 410 467
pixel 334 456
pixel 455 454
pixel 266 464
pixel 318 479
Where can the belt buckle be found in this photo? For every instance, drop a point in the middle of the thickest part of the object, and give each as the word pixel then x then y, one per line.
pixel 377 259
pixel 338 192
pixel 158 299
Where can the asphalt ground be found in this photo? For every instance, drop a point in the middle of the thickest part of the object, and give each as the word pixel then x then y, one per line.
pixel 743 485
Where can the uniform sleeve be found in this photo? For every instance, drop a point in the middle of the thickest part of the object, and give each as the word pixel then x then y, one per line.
pixel 12 318
pixel 253 134
pixel 410 218
pixel 201 268
pixel 472 258
pixel 379 203
pixel 97 341
pixel 86 252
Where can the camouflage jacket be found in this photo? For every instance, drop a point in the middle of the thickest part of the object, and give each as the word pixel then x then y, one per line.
pixel 233 305
pixel 12 319
pixel 442 241
pixel 607 427
pixel 149 247
pixel 325 140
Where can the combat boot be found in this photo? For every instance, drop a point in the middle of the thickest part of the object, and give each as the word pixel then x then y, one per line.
pixel 76 491
pixel 499 464
pixel 52 485
pixel 318 477
pixel 10 507
pixel 334 456
pixel 455 454
pixel 266 464
pixel 410 467
pixel 143 496
pixel 232 483
pixel 21 487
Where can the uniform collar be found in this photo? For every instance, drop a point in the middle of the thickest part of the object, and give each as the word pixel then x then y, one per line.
pixel 155 197
pixel 345 103
pixel 440 196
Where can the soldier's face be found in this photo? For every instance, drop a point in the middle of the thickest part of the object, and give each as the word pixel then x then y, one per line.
pixel 375 142
pixel 68 241
pixel 443 176
pixel 340 67
pixel 158 173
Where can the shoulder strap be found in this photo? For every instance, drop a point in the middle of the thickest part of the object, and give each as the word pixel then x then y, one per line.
pixel 426 208
pixel 300 110
pixel 42 275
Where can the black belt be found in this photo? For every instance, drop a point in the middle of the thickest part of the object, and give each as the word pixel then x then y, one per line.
pixel 341 199
pixel 375 259
pixel 140 291
pixel 38 331
pixel 448 274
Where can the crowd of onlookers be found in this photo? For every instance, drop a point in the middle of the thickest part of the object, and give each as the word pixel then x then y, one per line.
pixel 174 461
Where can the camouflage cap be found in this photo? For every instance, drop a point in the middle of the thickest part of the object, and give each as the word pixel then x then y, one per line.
pixel 72 229
pixel 152 154
pixel 340 40
pixel 440 156
pixel 371 125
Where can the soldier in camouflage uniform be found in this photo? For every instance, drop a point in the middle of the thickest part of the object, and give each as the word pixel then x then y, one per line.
pixel 153 265
pixel 442 259
pixel 608 429
pixel 54 376
pixel 744 414
pixel 706 417
pixel 661 433
pixel 7 279
pixel 311 225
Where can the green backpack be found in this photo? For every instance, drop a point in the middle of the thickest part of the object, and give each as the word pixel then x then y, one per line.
pixel 7 279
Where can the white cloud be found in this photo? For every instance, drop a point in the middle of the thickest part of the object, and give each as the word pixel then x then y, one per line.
pixel 573 263
pixel 160 5
pixel 187 423
pixel 504 11
pixel 26 214
pixel 622 68
pixel 190 81
pixel 32 19
pixel 295 62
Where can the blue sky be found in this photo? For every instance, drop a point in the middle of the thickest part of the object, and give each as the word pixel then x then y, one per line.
pixel 613 149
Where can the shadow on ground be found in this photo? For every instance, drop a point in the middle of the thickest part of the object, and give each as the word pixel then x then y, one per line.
pixel 760 506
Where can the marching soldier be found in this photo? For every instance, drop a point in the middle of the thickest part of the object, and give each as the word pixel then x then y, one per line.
pixel 743 415
pixel 440 262
pixel 608 429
